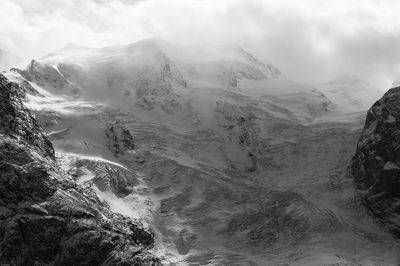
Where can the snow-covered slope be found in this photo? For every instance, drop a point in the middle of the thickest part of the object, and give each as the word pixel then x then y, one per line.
pixel 228 160
pixel 351 94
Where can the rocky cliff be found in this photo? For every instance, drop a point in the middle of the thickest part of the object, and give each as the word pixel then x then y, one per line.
pixel 45 217
pixel 376 163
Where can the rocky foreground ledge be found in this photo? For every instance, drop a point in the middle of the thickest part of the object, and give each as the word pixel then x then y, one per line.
pixel 45 217
pixel 376 165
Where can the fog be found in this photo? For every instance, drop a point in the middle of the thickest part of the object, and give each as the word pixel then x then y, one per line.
pixel 311 40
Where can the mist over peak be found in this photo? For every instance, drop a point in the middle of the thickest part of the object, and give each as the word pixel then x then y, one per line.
pixel 304 40
pixel 187 132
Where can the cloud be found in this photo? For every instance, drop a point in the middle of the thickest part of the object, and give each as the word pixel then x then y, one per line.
pixel 310 40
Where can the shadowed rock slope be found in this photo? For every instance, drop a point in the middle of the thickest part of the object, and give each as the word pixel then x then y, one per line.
pixel 376 163
pixel 45 217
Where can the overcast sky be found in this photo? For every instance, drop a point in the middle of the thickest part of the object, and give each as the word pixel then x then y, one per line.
pixel 309 40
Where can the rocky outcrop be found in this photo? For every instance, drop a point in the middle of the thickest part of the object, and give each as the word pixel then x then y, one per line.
pixel 16 121
pixel 45 217
pixel 376 164
pixel 119 138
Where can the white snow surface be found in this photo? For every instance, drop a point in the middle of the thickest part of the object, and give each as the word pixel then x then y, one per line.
pixel 351 94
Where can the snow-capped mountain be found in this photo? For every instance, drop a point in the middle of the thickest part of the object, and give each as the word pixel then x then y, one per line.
pixel 223 157
pixel 175 82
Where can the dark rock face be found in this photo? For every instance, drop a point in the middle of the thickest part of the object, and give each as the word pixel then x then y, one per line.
pixel 376 165
pixel 16 121
pixel 45 217
pixel 119 138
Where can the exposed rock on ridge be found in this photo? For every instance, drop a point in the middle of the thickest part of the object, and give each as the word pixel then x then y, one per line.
pixel 119 138
pixel 376 163
pixel 16 121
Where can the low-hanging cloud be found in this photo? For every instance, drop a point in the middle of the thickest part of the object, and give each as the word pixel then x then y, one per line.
pixel 310 40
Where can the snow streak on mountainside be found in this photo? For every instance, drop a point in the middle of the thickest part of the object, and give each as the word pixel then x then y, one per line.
pixel 228 160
